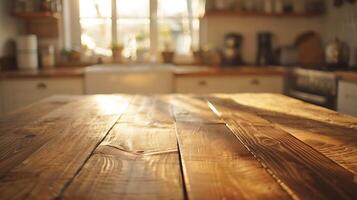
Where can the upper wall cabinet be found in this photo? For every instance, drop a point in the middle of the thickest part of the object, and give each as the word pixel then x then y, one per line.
pixel 41 17
pixel 265 8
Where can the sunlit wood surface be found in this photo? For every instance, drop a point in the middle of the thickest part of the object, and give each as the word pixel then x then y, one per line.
pixel 219 146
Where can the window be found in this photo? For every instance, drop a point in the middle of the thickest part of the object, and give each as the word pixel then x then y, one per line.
pixel 95 21
pixel 145 26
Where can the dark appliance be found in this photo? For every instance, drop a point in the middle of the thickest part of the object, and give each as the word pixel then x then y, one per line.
pixel 265 55
pixel 337 54
pixel 314 86
pixel 231 52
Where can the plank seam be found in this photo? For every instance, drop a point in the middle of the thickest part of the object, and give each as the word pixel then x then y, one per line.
pixel 184 188
pixel 279 182
pixel 292 135
pixel 66 185
pixel 233 125
pixel 272 174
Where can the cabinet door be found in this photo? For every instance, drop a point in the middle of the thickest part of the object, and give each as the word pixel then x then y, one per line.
pixel 347 98
pixel 129 82
pixel 229 84
pixel 21 92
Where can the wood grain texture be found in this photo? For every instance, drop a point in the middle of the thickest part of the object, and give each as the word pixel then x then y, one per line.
pixel 305 172
pixel 61 142
pixel 331 133
pixel 289 106
pixel 191 108
pixel 242 146
pixel 137 160
pixel 27 130
pixel 217 166
pixel 31 113
pixel 149 109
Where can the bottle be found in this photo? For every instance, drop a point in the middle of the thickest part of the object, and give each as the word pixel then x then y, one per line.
pixel 268 6
pixel 48 57
pixel 278 6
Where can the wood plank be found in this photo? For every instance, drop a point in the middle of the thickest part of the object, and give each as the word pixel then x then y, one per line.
pixel 149 108
pixel 63 141
pixel 336 143
pixel 331 133
pixel 190 108
pixel 217 166
pixel 17 144
pixel 305 172
pixel 31 113
pixel 283 104
pixel 137 160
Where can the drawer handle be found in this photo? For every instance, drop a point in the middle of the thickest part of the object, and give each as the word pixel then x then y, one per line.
pixel 255 82
pixel 41 86
pixel 202 83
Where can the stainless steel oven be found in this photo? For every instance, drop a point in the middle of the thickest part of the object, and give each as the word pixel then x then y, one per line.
pixel 313 86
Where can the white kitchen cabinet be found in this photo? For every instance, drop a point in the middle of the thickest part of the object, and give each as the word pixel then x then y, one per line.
pixel 229 84
pixel 347 98
pixel 129 80
pixel 21 92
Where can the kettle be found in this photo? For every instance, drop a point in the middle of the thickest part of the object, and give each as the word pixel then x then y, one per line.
pixel 337 54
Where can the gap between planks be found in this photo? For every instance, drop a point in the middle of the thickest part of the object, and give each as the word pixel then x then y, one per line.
pixel 66 185
pixel 242 121
pixel 224 171
pixel 129 147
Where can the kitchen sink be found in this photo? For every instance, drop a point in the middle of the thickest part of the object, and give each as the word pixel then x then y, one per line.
pixel 129 79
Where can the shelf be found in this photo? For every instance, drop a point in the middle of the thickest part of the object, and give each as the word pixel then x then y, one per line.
pixel 220 13
pixel 37 15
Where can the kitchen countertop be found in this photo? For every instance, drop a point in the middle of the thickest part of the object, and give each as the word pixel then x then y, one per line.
pixel 238 71
pixel 178 71
pixel 223 146
pixel 347 76
pixel 49 73
pixel 181 71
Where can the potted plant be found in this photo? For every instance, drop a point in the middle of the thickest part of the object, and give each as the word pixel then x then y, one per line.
pixel 168 54
pixel 197 55
pixel 117 50
pixel 141 51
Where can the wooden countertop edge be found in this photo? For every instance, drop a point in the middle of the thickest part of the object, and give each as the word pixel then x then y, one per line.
pixel 230 73
pixel 347 76
pixel 78 72
pixel 67 73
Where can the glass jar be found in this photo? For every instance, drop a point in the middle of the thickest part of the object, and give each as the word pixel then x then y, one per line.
pixel 48 57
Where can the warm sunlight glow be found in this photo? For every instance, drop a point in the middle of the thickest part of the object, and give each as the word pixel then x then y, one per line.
pixel 176 27
pixel 95 8
pixel 133 8
pixel 112 105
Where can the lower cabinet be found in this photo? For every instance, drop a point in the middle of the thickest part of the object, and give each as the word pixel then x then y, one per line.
pixel 347 98
pixel 229 84
pixel 21 92
pixel 17 93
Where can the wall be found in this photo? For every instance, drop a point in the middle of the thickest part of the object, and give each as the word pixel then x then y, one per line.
pixel 285 30
pixel 342 23
pixel 338 22
pixel 8 28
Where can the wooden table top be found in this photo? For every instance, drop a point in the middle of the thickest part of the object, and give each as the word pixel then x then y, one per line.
pixel 237 146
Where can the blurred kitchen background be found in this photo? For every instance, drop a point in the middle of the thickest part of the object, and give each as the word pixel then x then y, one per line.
pixel 306 49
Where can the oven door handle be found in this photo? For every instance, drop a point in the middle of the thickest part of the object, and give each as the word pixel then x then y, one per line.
pixel 313 98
